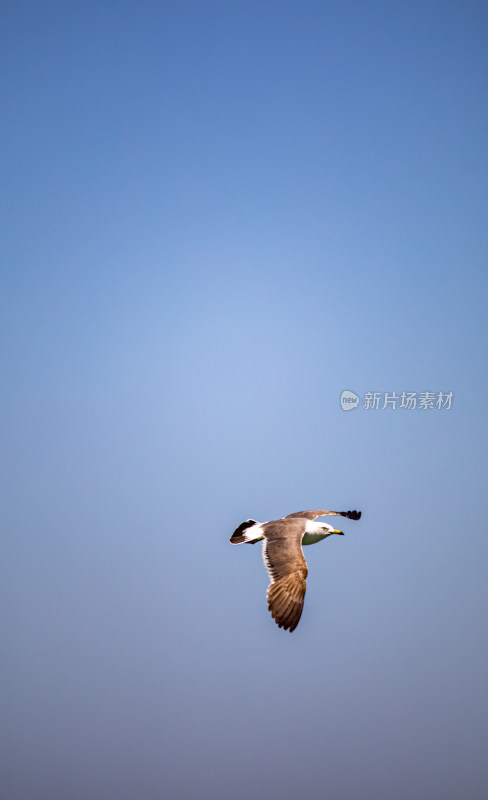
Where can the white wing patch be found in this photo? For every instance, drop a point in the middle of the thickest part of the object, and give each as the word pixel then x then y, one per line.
pixel 254 533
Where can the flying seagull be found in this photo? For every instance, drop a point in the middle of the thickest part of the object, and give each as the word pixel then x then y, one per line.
pixel 283 557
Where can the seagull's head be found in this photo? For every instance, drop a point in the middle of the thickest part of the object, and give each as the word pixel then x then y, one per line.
pixel 329 529
pixel 316 531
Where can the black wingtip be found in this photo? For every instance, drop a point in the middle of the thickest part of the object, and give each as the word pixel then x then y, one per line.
pixel 352 514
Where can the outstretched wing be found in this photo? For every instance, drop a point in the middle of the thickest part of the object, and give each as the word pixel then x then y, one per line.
pixel 314 514
pixel 287 570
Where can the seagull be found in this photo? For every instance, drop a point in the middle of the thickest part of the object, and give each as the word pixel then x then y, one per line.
pixel 283 557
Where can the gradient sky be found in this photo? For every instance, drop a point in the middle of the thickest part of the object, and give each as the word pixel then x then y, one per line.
pixel 216 217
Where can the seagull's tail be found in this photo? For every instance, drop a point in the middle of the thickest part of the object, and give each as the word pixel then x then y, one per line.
pixel 249 531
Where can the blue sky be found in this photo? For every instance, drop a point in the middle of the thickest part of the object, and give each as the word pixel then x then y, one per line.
pixel 217 217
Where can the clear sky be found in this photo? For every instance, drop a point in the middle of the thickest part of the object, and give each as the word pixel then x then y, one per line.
pixel 217 216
